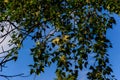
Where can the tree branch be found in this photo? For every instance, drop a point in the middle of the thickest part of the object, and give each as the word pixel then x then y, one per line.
pixel 11 76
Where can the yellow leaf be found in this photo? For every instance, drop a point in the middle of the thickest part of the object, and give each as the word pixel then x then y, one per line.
pixel 63 49
pixel 19 45
pixel 37 43
pixel 42 69
pixel 108 7
pixel 63 58
pixel 87 1
pixel 6 1
pixel 56 40
pixel 44 19
pixel 73 45
pixel 65 37
pixel 37 13
pixel 58 14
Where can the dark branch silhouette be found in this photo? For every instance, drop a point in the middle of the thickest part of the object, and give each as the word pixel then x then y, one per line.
pixel 12 76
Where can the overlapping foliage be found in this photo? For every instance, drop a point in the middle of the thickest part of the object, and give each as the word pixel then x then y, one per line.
pixel 65 32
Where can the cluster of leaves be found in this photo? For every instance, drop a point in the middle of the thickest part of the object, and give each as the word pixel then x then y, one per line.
pixel 81 25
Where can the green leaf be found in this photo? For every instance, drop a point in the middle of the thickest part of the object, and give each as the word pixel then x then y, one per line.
pixel 32 71
pixel 38 71
pixel 15 58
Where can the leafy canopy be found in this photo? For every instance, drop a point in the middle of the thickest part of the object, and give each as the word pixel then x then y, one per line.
pixel 65 32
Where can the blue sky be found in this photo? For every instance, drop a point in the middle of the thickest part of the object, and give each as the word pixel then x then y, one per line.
pixel 114 36
pixel 21 66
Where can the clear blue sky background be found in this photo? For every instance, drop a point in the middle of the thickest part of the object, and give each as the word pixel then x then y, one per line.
pixel 21 66
pixel 114 36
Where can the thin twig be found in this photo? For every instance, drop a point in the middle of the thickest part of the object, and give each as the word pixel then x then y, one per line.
pixel 11 76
